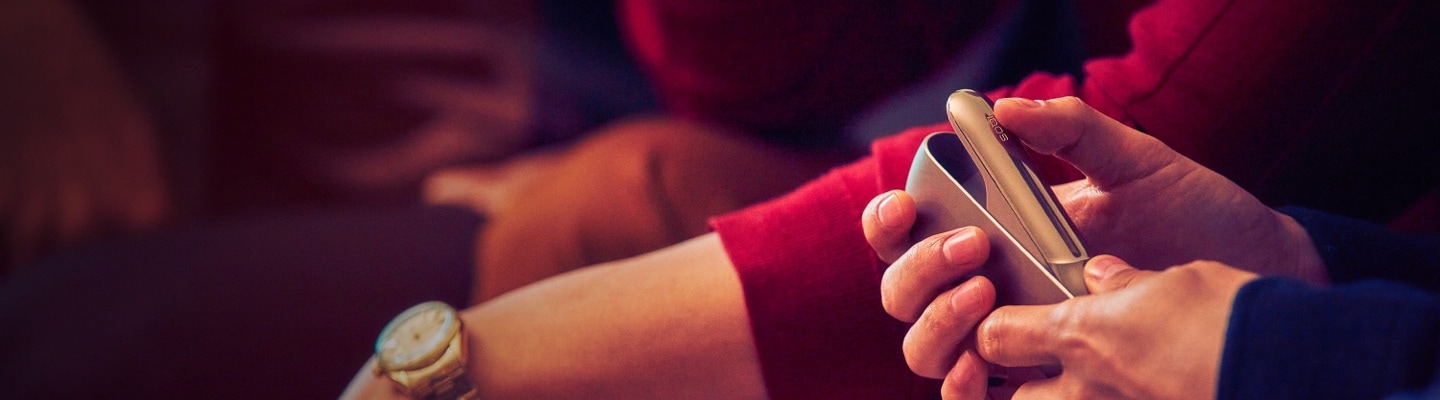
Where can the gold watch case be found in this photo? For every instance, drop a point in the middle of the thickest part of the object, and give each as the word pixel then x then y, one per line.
pixel 422 352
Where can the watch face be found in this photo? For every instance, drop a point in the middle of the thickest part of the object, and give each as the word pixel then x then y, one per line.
pixel 417 337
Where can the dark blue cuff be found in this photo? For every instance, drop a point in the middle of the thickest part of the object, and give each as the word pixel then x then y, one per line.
pixel 1289 340
pixel 1355 249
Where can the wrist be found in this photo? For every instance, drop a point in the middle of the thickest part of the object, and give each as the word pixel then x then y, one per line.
pixel 370 386
pixel 422 353
pixel 1298 256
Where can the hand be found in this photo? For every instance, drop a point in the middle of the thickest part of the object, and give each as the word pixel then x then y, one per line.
pixel 491 189
pixel 1146 203
pixel 1140 335
pixel 1141 200
pixel 921 287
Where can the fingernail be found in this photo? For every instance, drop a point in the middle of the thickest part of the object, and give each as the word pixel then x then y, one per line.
pixel 1101 266
pixel 960 248
pixel 889 211
pixel 966 297
pixel 1024 102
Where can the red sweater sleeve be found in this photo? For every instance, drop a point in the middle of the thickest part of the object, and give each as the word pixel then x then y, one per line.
pixel 812 284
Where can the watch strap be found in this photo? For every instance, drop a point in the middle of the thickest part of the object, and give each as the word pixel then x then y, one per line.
pixel 454 385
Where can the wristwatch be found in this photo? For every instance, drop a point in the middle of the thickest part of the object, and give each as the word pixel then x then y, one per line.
pixel 423 352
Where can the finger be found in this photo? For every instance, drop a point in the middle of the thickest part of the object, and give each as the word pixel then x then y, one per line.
pixel 936 340
pixel 1069 189
pixel 967 380
pixel 1051 388
pixel 887 221
pixel 1106 151
pixel 1018 336
pixel 1107 273
pixel 1002 381
pixel 930 267
pixel 468 187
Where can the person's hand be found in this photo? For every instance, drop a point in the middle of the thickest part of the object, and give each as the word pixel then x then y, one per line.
pixel 1140 335
pixel 1146 203
pixel 920 287
pixel 1140 200
pixel 490 189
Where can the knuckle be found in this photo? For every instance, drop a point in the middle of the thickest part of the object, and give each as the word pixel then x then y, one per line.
pixel 987 341
pixel 897 295
pixel 1191 274
pixel 926 258
pixel 1070 104
pixel 1121 280
pixel 891 298
pixel 966 380
pixel 887 301
pixel 1068 325
pixel 930 246
pixel 934 322
pixel 931 343
pixel 896 307
pixel 916 277
pixel 953 389
pixel 922 359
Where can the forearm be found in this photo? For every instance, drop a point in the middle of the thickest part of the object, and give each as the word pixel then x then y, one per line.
pixel 1365 340
pixel 669 324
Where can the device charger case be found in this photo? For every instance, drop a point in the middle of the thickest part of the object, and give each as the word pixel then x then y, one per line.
pixel 950 192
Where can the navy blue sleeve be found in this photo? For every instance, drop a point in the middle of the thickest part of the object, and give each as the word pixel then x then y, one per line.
pixel 1376 333
pixel 1365 340
pixel 1354 249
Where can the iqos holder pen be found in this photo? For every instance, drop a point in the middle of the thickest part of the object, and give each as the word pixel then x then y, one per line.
pixel 1031 203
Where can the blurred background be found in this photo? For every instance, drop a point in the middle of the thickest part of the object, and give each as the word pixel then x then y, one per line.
pixel 199 109
pixel 189 111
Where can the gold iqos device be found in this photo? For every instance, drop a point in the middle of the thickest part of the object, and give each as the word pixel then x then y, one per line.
pixel 981 176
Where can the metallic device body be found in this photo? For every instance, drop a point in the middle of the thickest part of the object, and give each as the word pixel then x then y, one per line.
pixel 988 173
pixel 949 193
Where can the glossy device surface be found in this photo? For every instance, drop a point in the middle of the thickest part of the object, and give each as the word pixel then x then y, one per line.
pixel 979 176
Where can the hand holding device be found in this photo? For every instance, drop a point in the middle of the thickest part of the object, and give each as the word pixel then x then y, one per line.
pixel 1143 334
pixel 1140 201
pixel 980 176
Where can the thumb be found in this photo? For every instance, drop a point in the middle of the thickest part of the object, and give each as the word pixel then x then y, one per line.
pixel 1107 273
pixel 1105 150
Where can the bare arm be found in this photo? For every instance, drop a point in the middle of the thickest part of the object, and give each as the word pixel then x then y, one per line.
pixel 668 324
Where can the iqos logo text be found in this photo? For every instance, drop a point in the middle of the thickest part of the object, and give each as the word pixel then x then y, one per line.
pixel 996 128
